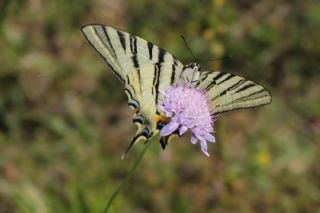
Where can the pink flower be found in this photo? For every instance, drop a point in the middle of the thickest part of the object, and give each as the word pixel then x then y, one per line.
pixel 189 110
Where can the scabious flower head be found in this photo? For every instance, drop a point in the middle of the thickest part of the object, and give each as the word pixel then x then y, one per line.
pixel 188 109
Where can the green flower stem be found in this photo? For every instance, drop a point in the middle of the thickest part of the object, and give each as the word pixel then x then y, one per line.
pixel 124 182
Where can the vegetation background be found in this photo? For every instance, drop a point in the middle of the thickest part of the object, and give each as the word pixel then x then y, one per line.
pixel 64 120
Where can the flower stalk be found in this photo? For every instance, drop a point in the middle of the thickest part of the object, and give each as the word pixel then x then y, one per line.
pixel 133 168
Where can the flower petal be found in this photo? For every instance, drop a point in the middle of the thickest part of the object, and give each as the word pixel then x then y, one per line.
pixel 169 128
pixel 193 140
pixel 210 138
pixel 189 109
pixel 182 130
pixel 204 148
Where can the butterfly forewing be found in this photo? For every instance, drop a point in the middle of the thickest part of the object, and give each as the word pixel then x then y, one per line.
pixel 229 92
pixel 144 68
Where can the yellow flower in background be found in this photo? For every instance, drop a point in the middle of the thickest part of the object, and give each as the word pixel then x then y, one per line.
pixel 193 27
pixel 263 158
pixel 217 48
pixel 208 34
pixel 217 3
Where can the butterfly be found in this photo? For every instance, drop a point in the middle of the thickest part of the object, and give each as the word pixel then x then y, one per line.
pixel 147 70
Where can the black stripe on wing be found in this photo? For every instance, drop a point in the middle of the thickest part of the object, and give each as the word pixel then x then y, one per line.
pixel 131 87
pixel 173 72
pixel 112 50
pixel 255 93
pixel 137 68
pixel 214 81
pixel 245 87
pixel 150 49
pixel 133 44
pixel 237 84
pixel 230 88
pixel 155 81
pixel 238 108
pixel 122 39
pixel 161 56
pixel 230 76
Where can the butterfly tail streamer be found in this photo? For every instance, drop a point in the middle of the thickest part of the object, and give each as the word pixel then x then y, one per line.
pixel 142 135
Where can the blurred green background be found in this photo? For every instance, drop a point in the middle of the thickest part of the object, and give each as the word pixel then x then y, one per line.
pixel 64 120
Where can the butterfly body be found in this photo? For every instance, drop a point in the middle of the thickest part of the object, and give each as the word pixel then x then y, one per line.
pixel 147 71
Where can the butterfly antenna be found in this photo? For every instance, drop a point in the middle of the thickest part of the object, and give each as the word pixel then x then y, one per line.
pixel 185 42
pixel 216 59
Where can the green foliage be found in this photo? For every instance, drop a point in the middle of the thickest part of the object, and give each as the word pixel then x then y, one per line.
pixel 64 121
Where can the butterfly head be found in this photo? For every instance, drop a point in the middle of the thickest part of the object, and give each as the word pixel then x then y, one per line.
pixel 195 66
pixel 191 72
